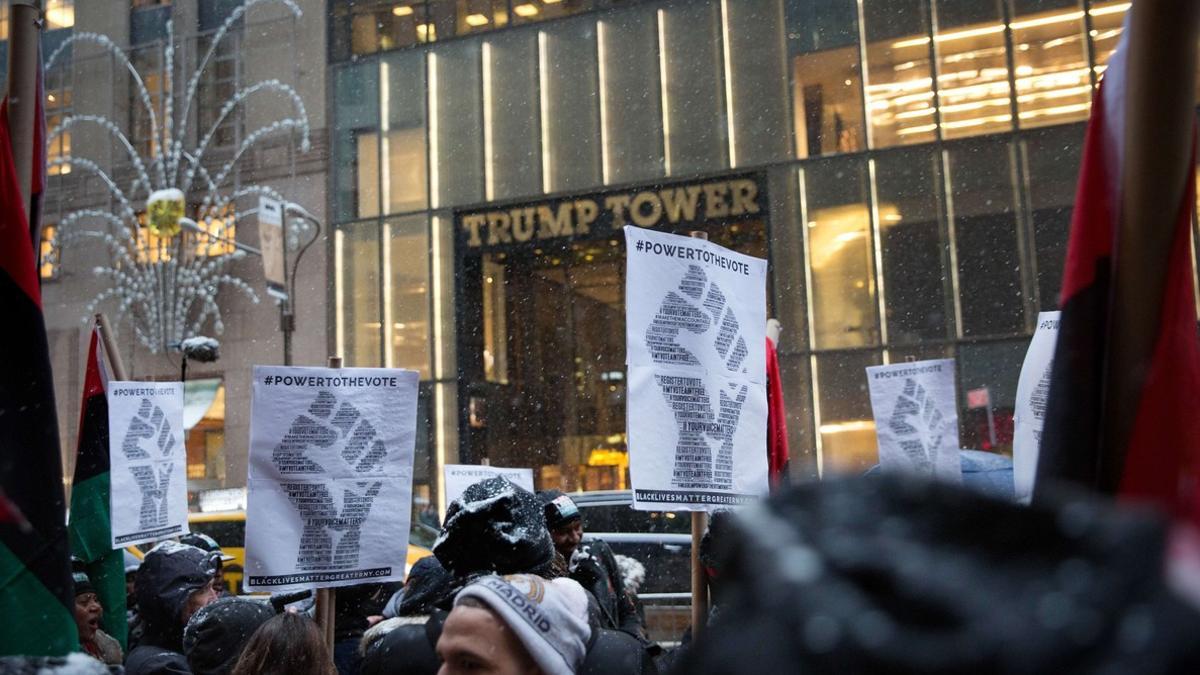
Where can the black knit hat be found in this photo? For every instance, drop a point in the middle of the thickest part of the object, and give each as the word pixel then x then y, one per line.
pixel 216 633
pixel 495 526
pixel 558 508
pixel 79 576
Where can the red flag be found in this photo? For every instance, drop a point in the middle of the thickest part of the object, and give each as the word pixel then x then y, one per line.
pixel 1159 460
pixel 777 441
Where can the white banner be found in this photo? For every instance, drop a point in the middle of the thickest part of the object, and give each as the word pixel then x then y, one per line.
pixel 459 477
pixel 1033 390
pixel 330 481
pixel 696 350
pixel 148 461
pixel 916 418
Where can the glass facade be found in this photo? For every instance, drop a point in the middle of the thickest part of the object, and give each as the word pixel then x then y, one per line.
pixel 915 161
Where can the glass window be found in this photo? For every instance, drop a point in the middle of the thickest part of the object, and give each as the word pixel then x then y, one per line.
pixel 787 279
pixel 204 432
pixel 899 78
pixel 695 129
pixel 985 238
pixel 1050 56
pixel 845 423
pixel 148 60
pixel 570 116
pixel 455 124
pixel 630 98
pixel 460 17
pixel 402 113
pixel 59 14
pixel 49 253
pixel 841 265
pixel 756 73
pixel 917 294
pixel 1052 160
pixel 218 84
pixel 511 124
pixel 994 366
pixel 1107 21
pixel 59 104
pixel 827 107
pixel 528 11
pixel 382 25
pixel 973 88
pixel 406 293
pixel 355 149
pixel 356 293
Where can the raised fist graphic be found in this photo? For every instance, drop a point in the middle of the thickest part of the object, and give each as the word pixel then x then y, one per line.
pixel 148 440
pixel 693 326
pixel 331 432
pixel 919 427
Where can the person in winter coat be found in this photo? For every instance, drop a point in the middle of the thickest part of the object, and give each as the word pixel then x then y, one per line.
pixel 207 543
pixel 88 612
pixel 591 563
pixel 132 619
pixel 216 634
pixel 174 581
pixel 289 644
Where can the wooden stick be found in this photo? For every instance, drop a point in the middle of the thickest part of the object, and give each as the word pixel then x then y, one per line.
pixel 110 348
pixel 699 524
pixel 326 598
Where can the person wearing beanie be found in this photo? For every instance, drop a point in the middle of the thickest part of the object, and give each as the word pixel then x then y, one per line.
pixel 591 562
pixel 207 543
pixel 174 581
pixel 520 624
pixel 88 611
pixel 216 634
pixel 495 527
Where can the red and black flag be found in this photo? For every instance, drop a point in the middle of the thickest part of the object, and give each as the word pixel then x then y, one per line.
pixel 36 592
pixel 1125 384
pixel 90 526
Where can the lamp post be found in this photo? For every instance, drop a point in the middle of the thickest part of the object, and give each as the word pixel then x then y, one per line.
pixel 287 315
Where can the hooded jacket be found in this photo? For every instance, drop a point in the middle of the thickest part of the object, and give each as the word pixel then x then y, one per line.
pixel 495 527
pixel 215 635
pixel 170 573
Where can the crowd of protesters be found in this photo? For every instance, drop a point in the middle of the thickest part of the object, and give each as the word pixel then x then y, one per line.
pixel 876 574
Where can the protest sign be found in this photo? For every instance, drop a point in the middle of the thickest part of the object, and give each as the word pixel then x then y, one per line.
pixel 330 481
pixel 459 477
pixel 916 418
pixel 148 501
pixel 696 351
pixel 1033 390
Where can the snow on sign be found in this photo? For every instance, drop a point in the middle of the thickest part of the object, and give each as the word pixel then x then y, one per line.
pixel 916 418
pixel 330 484
pixel 459 477
pixel 696 350
pixel 1033 390
pixel 148 501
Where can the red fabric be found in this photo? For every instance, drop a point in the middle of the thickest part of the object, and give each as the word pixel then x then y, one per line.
pixel 16 249
pixel 777 441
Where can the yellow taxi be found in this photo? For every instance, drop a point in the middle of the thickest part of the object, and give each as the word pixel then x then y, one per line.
pixel 228 528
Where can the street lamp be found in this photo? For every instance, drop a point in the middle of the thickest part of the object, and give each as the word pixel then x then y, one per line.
pixel 287 315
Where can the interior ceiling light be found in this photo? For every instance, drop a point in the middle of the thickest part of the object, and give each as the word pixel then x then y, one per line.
pixel 402 10
pixel 525 10
pixel 476 20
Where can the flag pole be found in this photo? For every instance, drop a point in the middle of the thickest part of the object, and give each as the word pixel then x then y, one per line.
pixel 1159 122
pixel 24 32
pixel 326 598
pixel 110 348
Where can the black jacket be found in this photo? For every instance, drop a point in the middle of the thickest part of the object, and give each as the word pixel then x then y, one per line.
pixel 170 574
pixel 595 568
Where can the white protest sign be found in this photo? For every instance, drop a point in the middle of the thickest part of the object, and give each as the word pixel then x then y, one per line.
pixel 1033 390
pixel 459 477
pixel 330 481
pixel 696 349
pixel 916 418
pixel 148 461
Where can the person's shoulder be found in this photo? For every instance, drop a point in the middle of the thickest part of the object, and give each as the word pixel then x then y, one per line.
pixel 150 660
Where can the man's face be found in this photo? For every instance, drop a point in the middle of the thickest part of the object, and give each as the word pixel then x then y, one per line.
pixel 219 578
pixel 129 588
pixel 199 599
pixel 87 615
pixel 475 641
pixel 567 537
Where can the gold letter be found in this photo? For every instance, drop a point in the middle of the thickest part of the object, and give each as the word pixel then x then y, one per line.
pixel 522 223
pixel 617 204
pixel 635 209
pixel 678 206
pixel 714 198
pixel 585 214
pixel 551 225
pixel 744 194
pixel 498 225
pixel 472 223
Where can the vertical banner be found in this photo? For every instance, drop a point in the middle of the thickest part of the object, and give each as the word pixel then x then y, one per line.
pixel 271 241
pixel 330 481
pixel 1033 391
pixel 148 461
pixel 696 349
pixel 459 477
pixel 916 418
